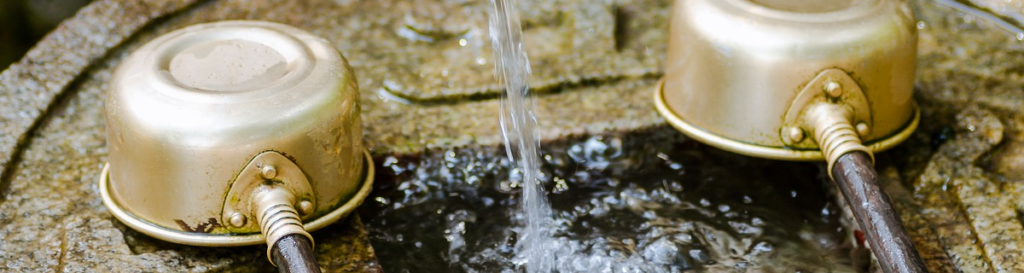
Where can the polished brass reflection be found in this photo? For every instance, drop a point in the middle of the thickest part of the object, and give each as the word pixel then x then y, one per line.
pixel 205 122
pixel 736 68
pixel 801 80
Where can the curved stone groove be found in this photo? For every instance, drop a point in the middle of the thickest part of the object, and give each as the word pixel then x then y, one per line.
pixel 545 89
pixel 972 216
pixel 961 63
pixel 30 88
pixel 570 43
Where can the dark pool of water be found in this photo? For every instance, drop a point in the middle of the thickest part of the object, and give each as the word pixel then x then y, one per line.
pixel 642 202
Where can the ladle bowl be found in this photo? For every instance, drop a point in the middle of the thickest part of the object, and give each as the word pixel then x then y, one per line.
pixel 828 80
pixel 199 119
pixel 739 72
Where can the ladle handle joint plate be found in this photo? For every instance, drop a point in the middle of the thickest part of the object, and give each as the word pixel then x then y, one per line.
pixel 834 111
pixel 268 170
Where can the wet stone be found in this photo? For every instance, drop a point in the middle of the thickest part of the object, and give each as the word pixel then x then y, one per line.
pixel 965 205
pixel 436 94
pixel 1007 159
pixel 570 43
pixel 956 182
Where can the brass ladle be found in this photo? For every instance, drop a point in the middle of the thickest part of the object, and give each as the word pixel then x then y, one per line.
pixel 235 133
pixel 801 80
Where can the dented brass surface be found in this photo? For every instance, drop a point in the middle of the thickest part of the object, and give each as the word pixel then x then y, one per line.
pixel 735 69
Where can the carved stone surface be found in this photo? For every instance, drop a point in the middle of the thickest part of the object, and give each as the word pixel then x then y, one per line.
pixel 425 73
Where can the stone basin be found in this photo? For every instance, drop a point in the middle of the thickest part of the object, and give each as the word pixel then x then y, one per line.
pixel 425 72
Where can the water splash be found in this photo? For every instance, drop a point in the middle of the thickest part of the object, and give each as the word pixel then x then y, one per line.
pixel 653 201
pixel 519 127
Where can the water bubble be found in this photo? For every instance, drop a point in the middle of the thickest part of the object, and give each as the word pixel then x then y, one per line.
pixel 560 185
pixel 415 192
pixel 507 186
pixel 649 215
pixel 581 176
pixel 699 256
pixel 451 157
pixel 745 228
pixel 762 247
pixel 472 180
pixel 674 186
pixel 596 153
pixel 684 238
pixel 516 174
pixel 675 166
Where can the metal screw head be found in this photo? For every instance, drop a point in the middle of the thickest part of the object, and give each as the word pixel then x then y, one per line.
pixel 305 207
pixel 863 129
pixel 833 89
pixel 795 134
pixel 268 172
pixel 237 220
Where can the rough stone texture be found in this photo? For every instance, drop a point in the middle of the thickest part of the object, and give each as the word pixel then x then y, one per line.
pixel 33 84
pixel 977 224
pixel 960 165
pixel 595 62
pixel 445 46
pixel 463 110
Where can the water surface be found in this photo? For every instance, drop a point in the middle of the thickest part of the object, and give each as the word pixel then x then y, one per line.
pixel 644 202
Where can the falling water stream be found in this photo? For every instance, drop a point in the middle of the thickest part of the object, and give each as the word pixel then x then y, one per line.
pixel 519 128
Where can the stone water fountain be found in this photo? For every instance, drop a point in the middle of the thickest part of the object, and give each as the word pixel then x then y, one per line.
pixel 430 104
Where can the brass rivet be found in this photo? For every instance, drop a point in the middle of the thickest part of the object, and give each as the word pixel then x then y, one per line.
pixel 268 172
pixel 305 207
pixel 833 89
pixel 237 220
pixel 863 129
pixel 795 134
